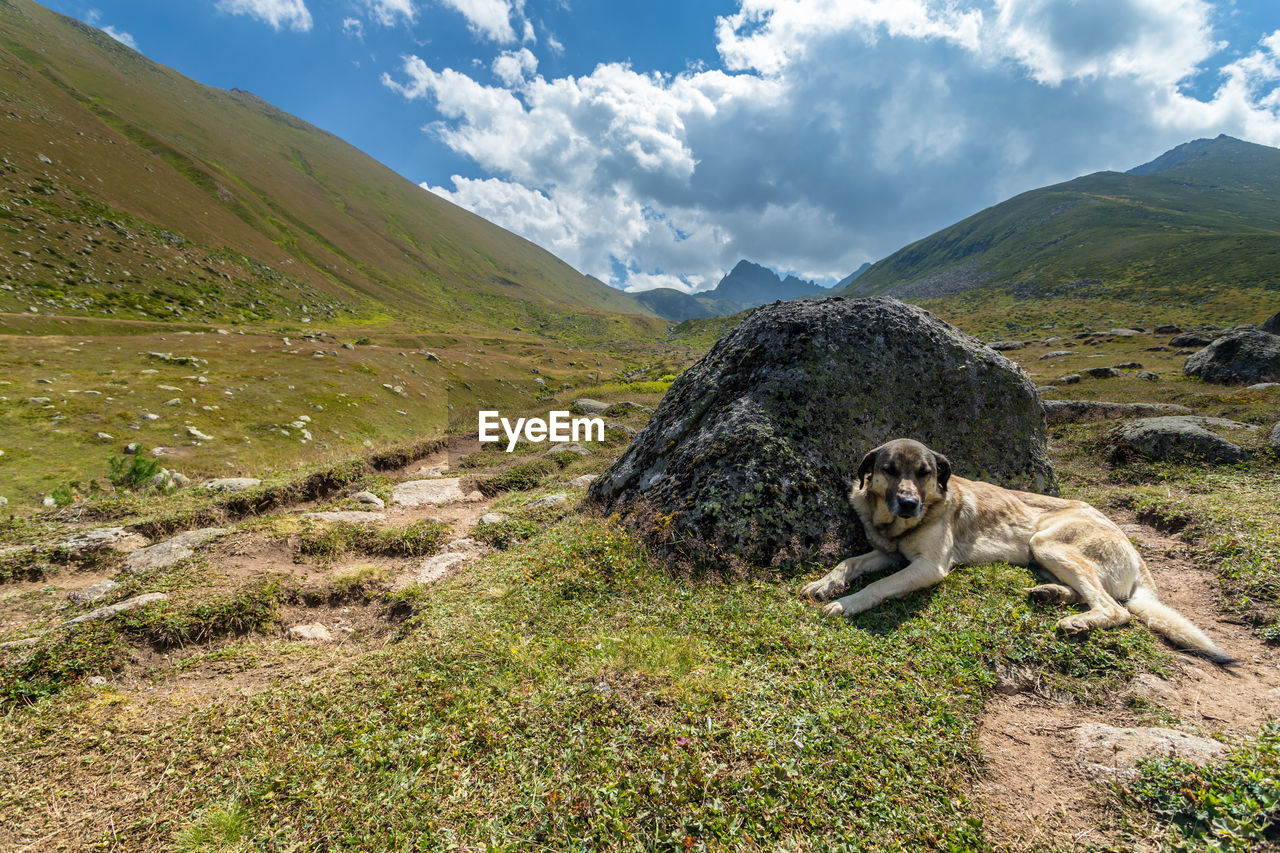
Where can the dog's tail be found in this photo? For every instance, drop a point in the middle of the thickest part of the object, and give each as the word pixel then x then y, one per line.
pixel 1177 628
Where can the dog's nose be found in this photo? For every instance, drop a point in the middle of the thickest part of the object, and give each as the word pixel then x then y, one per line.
pixel 908 507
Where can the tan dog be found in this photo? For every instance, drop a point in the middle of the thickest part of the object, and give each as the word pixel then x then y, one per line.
pixel 914 511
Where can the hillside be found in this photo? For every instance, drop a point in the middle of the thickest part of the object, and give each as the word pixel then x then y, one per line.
pixel 127 189
pixel 671 304
pixel 1197 226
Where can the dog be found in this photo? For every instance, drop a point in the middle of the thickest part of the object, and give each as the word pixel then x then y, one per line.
pixel 915 512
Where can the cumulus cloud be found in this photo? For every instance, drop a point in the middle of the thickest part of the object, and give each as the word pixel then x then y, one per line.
pixel 389 12
pixel 121 36
pixel 353 27
pixel 280 14
pixel 512 66
pixel 489 19
pixel 834 131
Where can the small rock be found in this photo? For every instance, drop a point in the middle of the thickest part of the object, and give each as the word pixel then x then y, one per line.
pixel 1274 438
pixel 540 382
pixel 4 501
pixel 49 502
pixel 1129 365
pixel 1123 333
pixel 548 500
pixel 1078 411
pixel 96 681
pixel 348 346
pixel 1191 339
pixel 466 545
pixel 1109 752
pixel 583 481
pixel 1147 375
pixel 102 613
pixel 105 436
pixel 112 538
pixel 568 447
pixel 368 498
pixel 176 401
pixel 587 406
pixel 1003 346
pixel 313 632
pixel 131 448
pixel 171 551
pixel 1057 354
pixel 149 416
pixel 1069 379
pixel 431 492
pixel 195 433
pixel 498 518
pixel 97 592
pixel 1159 348
pixel 1167 329
pixel 1103 372
pixel 430 356
pixel 231 484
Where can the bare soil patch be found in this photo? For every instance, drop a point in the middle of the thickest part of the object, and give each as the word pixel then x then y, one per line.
pixel 1031 793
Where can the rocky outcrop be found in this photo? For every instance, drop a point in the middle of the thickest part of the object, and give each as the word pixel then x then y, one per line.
pixel 1180 438
pixel 1078 411
pixel 1109 752
pixel 1242 358
pixel 171 551
pixel 749 456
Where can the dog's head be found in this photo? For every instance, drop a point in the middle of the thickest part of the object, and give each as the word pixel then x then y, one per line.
pixel 907 476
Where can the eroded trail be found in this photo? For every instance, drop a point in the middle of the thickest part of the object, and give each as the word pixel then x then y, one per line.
pixel 1044 782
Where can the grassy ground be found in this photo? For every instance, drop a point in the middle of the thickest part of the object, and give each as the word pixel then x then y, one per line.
pixel 568 691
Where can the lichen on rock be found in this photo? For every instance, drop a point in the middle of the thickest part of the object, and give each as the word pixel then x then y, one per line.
pixel 749 456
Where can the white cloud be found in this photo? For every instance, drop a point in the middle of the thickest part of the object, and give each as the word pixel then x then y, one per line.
pixel 554 45
pixel 837 130
pixel 389 12
pixel 353 27
pixel 280 14
pixel 488 18
pixel 121 36
pixel 512 66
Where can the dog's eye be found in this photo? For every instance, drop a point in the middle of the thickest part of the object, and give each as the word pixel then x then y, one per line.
pixel 923 472
pixel 891 470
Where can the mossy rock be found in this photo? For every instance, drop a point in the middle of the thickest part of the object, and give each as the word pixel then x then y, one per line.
pixel 1242 358
pixel 748 459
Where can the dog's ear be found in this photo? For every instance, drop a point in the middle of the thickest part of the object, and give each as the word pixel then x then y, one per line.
pixel 944 470
pixel 864 467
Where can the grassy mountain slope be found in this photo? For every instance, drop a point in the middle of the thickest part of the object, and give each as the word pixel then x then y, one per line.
pixel 671 304
pixel 1199 226
pixel 135 191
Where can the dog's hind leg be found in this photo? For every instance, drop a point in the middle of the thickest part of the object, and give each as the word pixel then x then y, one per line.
pixel 1073 567
pixel 846 572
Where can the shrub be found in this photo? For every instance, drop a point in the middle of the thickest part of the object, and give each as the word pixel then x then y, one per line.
pixel 132 472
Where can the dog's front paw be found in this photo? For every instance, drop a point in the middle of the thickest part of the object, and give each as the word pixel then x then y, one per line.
pixel 1071 625
pixel 835 608
pixel 819 590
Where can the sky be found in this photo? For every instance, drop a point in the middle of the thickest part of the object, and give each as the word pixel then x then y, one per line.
pixel 654 144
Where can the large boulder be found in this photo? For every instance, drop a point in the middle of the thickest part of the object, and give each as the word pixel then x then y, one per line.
pixel 1242 358
pixel 749 457
pixel 1271 325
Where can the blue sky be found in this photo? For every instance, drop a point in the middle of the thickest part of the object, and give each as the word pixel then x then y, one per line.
pixel 656 143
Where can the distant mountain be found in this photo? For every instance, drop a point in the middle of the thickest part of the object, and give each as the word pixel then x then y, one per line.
pixel 128 189
pixel 1192 224
pixel 674 305
pixel 851 276
pixel 748 285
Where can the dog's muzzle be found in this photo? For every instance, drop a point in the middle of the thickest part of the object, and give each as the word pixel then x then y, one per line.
pixel 906 507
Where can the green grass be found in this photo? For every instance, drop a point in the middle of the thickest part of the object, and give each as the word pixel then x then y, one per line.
pixel 328 541
pixel 1232 805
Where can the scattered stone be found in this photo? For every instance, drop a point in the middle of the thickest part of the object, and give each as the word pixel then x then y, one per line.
pixel 583 481
pixel 1057 354
pixel 1192 339
pixel 171 551
pixel 1078 411
pixel 368 498
pixel 105 436
pixel 1103 372
pixel 1123 333
pixel 1109 752
pixel 1004 346
pixel 131 448
pixel 96 681
pixel 432 492
pixel 176 401
pixel 195 433
pixel 348 346
pixel 49 502
pixel 1243 358
pixel 315 632
pixel 548 500
pixel 433 470
pixel 1129 365
pixel 1178 438
pixel 97 592
pixel 151 416
pixel 1167 329
pixel 587 406
pixel 351 515
pixel 568 447
pixel 231 484
pixel 1158 348
pixel 750 453
pixel 25 641
pixel 466 545
pixel 1262 386
pixel 102 613
pixel 434 568
pixel 627 431
pixel 1069 379
pixel 1274 438
pixel 498 518
pixel 540 382
pixel 109 538
pixel 4 501
pixel 1147 375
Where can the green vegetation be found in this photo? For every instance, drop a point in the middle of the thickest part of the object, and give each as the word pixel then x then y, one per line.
pixel 164 624
pixel 31 673
pixel 329 541
pixel 1233 805
pixel 132 472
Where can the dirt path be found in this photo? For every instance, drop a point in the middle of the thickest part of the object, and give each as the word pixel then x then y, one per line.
pixel 1033 795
